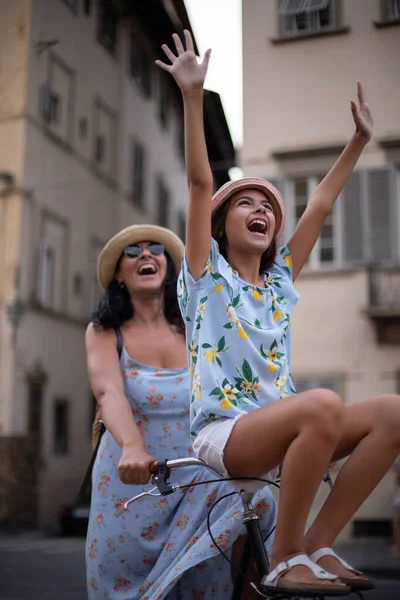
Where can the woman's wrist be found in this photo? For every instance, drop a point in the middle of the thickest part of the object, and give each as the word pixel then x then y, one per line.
pixel 133 444
pixel 193 94
pixel 360 139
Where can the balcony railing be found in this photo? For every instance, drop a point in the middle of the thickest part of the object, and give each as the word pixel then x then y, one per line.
pixel 384 289
pixel 384 303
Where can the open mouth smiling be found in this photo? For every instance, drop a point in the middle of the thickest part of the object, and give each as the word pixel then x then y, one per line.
pixel 259 226
pixel 147 269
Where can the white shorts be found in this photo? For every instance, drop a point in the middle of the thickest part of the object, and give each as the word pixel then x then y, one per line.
pixel 209 445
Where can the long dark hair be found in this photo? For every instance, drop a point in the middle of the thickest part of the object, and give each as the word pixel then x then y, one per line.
pixel 219 234
pixel 115 307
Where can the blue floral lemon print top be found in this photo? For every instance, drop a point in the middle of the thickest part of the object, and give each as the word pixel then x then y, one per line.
pixel 238 337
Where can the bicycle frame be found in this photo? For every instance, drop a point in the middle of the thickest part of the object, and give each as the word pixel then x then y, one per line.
pixel 161 471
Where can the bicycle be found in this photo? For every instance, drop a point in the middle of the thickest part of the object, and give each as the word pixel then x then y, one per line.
pixel 161 470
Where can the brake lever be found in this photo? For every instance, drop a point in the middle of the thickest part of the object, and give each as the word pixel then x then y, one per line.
pixel 142 495
pixel 161 479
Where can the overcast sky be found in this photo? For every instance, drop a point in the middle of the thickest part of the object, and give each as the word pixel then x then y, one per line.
pixel 217 24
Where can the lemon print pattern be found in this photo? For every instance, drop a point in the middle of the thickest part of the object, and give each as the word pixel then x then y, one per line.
pixel 238 337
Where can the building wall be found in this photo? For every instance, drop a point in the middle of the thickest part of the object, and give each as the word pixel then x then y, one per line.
pixel 296 97
pixel 14 35
pixel 296 94
pixel 74 205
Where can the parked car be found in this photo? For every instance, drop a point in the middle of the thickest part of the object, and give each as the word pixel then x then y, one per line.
pixel 73 519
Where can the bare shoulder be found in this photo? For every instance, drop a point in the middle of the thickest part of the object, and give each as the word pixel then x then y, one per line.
pixel 98 338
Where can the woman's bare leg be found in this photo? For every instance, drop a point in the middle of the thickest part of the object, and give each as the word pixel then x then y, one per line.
pixel 371 436
pixel 300 433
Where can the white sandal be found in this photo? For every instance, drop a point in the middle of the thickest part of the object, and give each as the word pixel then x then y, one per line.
pixel 356 583
pixel 270 582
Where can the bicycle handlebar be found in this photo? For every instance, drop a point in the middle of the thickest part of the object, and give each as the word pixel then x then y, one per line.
pixel 181 462
pixel 162 485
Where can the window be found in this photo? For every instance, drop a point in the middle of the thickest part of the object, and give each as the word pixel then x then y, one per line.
pixel 61 427
pixel 94 292
pixel 163 101
pixel 361 227
pixel 83 128
pixel 52 257
pixel 87 7
pixel 163 202
pixel 49 104
pixel 107 25
pixel 182 225
pixel 391 10
pixel 104 138
pixel 138 173
pixel 35 395
pixel 73 4
pixel 141 67
pixel 100 148
pixel 300 17
pixel 46 275
pixel 324 252
pixel 77 284
pixel 311 383
pixel 56 99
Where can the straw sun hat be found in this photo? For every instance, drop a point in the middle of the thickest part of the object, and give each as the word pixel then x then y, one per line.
pixel 253 183
pixel 110 254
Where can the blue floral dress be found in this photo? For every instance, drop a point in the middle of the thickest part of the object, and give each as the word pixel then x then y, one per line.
pixel 238 338
pixel 160 547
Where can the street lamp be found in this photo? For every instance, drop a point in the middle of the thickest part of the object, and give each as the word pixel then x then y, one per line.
pixel 15 311
pixel 7 181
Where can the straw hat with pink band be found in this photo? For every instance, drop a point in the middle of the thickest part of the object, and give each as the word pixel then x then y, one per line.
pixel 253 183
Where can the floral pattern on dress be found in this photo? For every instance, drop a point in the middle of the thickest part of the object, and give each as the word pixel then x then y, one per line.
pixel 160 547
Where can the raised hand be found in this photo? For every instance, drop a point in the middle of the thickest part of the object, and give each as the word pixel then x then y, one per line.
pixel 362 115
pixel 184 68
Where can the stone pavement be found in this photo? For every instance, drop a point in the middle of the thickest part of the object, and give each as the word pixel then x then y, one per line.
pixel 35 567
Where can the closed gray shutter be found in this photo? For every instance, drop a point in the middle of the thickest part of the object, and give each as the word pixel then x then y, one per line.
pixel 379 212
pixel 353 220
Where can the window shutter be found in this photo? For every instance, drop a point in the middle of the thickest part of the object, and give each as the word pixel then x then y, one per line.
pixel 379 213
pixel 353 220
pixel 280 184
pixel 44 274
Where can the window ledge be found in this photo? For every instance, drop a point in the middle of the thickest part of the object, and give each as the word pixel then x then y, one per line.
pixel 308 273
pixel 107 179
pixel 308 151
pixel 389 142
pixel 383 24
pixel 310 35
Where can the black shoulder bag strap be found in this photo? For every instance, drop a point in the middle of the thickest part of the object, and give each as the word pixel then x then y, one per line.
pixel 87 480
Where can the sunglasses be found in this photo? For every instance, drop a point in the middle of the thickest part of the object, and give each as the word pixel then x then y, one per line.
pixel 135 251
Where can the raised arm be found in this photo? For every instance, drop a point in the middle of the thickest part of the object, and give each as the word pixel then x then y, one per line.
pixel 325 194
pixel 108 388
pixel 190 76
